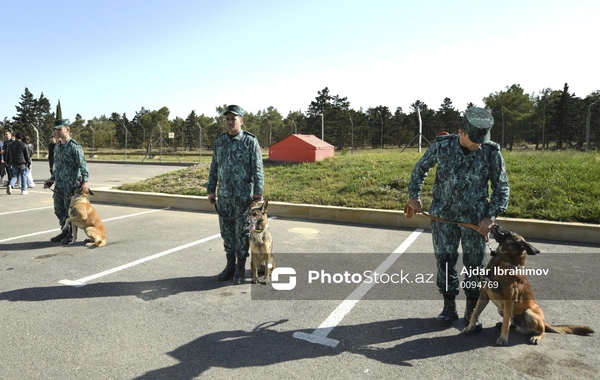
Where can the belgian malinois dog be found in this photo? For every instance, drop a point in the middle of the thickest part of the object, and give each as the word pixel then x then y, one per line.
pixel 83 215
pixel 261 242
pixel 511 292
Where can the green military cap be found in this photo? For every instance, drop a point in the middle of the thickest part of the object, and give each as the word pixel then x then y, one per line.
pixel 477 122
pixel 59 123
pixel 236 110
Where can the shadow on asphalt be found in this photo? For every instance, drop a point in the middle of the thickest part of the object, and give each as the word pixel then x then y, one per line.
pixel 145 290
pixel 264 346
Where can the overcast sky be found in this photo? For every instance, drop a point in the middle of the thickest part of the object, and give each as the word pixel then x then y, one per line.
pixel 100 57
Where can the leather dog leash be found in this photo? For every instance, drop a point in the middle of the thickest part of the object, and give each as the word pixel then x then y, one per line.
pixel 410 213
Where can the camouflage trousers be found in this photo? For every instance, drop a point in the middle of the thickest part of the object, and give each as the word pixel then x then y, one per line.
pixel 233 223
pixel 62 201
pixel 446 237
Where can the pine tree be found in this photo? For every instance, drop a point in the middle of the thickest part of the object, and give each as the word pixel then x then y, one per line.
pixel 58 111
pixel 25 117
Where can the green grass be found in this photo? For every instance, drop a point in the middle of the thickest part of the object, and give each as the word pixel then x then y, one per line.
pixel 559 186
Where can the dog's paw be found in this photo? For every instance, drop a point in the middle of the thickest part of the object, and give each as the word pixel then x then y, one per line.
pixel 502 341
pixel 468 330
pixel 535 339
pixel 90 245
pixel 255 280
pixel 267 281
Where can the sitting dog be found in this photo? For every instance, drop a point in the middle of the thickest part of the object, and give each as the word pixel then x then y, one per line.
pixel 512 292
pixel 84 216
pixel 261 242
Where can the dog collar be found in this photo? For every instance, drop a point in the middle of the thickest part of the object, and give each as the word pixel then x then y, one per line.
pixel 257 230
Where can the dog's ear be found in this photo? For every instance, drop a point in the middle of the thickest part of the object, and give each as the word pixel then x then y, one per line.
pixel 530 249
pixel 265 205
pixel 91 192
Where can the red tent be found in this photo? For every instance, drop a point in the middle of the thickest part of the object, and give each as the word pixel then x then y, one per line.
pixel 300 148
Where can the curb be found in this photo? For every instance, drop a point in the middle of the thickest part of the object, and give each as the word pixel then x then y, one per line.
pixel 531 229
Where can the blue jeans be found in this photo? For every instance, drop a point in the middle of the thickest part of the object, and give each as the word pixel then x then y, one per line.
pixel 20 173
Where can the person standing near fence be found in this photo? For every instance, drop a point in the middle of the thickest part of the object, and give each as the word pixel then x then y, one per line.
pixel 236 173
pixel 8 138
pixel 467 164
pixel 30 183
pixel 2 165
pixel 51 146
pixel 19 160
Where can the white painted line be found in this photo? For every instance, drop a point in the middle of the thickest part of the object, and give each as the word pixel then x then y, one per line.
pixel 83 281
pixel 58 229
pixel 136 214
pixel 319 336
pixel 31 209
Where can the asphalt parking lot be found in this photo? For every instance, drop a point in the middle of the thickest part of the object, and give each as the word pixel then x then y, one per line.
pixel 148 306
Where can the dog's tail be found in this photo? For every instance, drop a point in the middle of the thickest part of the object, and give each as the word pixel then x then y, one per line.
pixel 569 329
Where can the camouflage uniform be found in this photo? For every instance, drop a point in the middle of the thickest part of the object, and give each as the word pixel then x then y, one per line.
pixel 69 164
pixel 460 194
pixel 237 168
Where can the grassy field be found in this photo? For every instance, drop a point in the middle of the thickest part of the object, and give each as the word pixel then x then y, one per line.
pixel 559 186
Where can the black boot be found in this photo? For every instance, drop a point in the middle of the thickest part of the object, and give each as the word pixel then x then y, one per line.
pixel 58 238
pixel 69 238
pixel 229 270
pixel 449 313
pixel 471 303
pixel 240 271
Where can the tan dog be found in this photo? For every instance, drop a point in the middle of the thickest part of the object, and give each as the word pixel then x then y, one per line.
pixel 512 292
pixel 84 216
pixel 261 242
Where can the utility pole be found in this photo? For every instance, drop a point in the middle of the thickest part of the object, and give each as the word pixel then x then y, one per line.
pixel 322 127
pixel 587 126
pixel 381 119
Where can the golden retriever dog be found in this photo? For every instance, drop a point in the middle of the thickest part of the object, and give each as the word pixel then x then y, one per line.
pixel 83 215
pixel 261 242
pixel 511 292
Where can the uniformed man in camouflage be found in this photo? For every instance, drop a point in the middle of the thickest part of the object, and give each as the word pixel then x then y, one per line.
pixel 69 164
pixel 467 164
pixel 236 176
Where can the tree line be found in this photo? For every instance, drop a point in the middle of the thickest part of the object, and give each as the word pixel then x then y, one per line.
pixel 550 119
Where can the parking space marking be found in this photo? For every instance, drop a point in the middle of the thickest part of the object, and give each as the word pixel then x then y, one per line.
pixel 319 336
pixel 30 209
pixel 105 220
pixel 83 281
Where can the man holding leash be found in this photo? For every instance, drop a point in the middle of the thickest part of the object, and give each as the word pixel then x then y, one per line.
pixel 467 164
pixel 69 164
pixel 236 173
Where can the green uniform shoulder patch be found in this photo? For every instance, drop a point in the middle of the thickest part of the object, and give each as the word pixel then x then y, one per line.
pixel 249 134
pixel 445 137
pixel 494 145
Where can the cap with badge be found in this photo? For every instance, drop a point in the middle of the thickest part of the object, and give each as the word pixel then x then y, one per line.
pixel 59 123
pixel 477 122
pixel 236 110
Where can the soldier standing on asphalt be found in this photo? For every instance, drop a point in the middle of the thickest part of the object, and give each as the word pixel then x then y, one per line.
pixel 236 174
pixel 467 164
pixel 69 164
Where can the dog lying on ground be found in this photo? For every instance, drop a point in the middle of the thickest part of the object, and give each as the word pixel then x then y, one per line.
pixel 513 294
pixel 83 215
pixel 261 242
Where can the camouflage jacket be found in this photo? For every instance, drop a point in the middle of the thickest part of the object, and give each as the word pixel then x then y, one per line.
pixel 461 191
pixel 69 163
pixel 236 167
